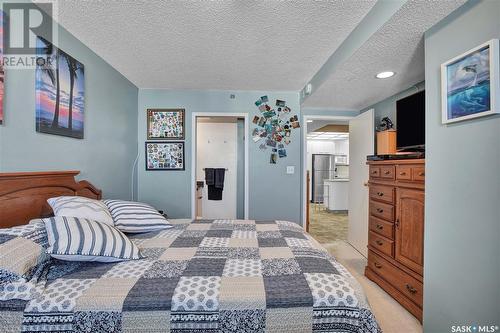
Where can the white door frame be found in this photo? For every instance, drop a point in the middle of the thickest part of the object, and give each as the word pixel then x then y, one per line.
pixel 194 115
pixel 304 155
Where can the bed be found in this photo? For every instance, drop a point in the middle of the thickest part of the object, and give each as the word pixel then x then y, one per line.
pixel 198 276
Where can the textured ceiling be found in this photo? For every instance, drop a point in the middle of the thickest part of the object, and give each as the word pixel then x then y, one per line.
pixel 398 46
pixel 247 45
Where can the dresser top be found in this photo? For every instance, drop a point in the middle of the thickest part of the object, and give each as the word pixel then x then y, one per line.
pixel 401 161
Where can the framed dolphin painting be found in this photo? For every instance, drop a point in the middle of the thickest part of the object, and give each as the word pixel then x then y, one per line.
pixel 470 84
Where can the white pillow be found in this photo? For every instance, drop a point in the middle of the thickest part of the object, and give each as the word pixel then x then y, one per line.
pixel 82 207
pixel 76 239
pixel 135 217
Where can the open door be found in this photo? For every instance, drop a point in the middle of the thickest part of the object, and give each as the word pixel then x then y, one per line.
pixel 361 144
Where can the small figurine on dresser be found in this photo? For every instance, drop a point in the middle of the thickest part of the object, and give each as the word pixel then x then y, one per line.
pixel 386 137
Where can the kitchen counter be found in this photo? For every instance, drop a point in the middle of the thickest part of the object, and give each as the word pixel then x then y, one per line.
pixel 336 194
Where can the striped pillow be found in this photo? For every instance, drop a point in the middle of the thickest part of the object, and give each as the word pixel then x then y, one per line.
pixel 135 217
pixel 75 239
pixel 81 207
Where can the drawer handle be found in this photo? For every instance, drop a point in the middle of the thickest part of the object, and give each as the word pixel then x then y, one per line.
pixel 380 210
pixel 387 172
pixel 379 242
pixel 411 289
pixel 379 227
pixel 380 194
pixel 377 265
pixel 421 174
pixel 402 173
pixel 374 172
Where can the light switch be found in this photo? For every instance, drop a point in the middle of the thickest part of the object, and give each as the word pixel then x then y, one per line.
pixel 290 170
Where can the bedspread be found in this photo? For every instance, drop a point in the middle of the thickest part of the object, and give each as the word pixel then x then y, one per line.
pixel 201 276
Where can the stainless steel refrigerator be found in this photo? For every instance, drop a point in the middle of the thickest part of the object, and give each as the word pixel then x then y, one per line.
pixel 323 167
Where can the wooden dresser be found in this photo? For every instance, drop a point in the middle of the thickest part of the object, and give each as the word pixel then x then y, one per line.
pixel 396 230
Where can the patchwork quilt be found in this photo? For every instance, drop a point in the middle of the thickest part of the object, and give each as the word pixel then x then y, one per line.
pixel 201 276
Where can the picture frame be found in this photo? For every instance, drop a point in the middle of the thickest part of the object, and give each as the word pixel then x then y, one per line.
pixel 470 84
pixel 165 124
pixel 59 92
pixel 2 72
pixel 164 155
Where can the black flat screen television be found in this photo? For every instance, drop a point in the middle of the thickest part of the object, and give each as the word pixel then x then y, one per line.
pixel 410 121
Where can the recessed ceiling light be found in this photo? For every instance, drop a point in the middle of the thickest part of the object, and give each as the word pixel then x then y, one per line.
pixel 384 75
pixel 310 120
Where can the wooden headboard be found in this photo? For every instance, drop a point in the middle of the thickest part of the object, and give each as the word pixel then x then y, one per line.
pixel 23 195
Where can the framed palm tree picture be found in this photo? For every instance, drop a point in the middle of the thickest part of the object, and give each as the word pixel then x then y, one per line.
pixel 2 73
pixel 59 86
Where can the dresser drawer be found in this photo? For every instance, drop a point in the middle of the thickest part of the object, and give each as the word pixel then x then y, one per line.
pixel 410 172
pixel 382 244
pixel 382 210
pixel 382 193
pixel 381 227
pixel 419 173
pixel 387 171
pixel 374 171
pixel 405 283
pixel 403 172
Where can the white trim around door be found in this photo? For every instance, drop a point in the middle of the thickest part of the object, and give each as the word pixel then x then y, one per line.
pixel 304 156
pixel 194 115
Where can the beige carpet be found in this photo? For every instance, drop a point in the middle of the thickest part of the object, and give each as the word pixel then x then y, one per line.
pixel 325 226
pixel 330 229
pixel 390 315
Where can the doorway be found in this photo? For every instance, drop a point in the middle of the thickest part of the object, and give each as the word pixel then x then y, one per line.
pixel 327 165
pixel 326 207
pixel 219 147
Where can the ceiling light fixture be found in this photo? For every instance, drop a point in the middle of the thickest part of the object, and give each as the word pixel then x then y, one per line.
pixel 384 75
pixel 309 120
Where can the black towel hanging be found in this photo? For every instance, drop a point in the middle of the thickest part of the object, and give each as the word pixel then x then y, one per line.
pixel 214 178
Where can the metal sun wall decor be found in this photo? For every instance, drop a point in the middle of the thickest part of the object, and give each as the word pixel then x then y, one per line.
pixel 274 127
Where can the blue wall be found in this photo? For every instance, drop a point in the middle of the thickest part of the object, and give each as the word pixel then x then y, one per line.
pixel 106 154
pixel 387 107
pixel 272 193
pixel 462 217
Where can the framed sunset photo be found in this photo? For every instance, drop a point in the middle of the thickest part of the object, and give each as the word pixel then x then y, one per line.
pixel 59 89
pixel 2 72
pixel 470 84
